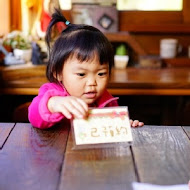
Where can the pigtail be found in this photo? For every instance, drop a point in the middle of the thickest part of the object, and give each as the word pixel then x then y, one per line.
pixel 56 17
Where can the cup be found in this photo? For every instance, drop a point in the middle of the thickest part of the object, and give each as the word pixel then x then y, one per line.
pixel 169 48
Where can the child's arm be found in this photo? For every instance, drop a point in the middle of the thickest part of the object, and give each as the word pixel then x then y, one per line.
pixel 53 104
pixel 38 113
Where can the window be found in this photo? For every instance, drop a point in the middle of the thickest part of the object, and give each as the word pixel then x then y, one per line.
pixel 65 4
pixel 162 20
pixel 152 5
pixel 135 20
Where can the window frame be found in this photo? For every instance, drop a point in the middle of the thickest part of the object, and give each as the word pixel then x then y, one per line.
pixel 156 21
pixel 132 21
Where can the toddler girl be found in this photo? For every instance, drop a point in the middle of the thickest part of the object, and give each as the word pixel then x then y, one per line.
pixel 78 71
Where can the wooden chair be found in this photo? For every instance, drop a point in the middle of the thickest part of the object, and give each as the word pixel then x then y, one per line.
pixel 20 113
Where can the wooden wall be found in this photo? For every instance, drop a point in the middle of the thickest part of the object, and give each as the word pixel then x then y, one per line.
pixel 4 17
pixel 15 15
pixel 146 27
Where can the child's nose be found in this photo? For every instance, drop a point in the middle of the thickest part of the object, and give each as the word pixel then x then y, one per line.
pixel 91 81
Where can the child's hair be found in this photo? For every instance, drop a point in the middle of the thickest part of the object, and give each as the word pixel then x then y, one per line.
pixel 82 41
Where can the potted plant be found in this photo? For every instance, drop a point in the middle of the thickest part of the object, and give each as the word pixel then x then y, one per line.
pixel 121 57
pixel 20 45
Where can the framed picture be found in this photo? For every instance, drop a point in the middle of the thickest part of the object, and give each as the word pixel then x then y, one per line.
pixel 105 18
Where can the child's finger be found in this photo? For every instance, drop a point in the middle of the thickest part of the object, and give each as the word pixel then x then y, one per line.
pixel 141 124
pixel 69 111
pixel 84 105
pixel 135 123
pixel 80 110
pixel 76 108
pixel 66 112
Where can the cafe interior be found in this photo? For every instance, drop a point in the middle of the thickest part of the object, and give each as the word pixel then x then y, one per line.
pixel 151 43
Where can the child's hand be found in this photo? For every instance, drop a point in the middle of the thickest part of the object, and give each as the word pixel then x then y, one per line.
pixel 136 123
pixel 69 106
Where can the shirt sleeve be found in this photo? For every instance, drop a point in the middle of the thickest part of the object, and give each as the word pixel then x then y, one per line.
pixel 38 113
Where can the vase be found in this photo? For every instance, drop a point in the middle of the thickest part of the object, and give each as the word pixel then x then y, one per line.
pixel 24 54
pixel 121 61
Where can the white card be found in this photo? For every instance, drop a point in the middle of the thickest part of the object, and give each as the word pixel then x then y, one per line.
pixel 105 125
pixel 146 186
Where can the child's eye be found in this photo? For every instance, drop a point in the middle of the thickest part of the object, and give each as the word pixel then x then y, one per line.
pixel 80 74
pixel 102 74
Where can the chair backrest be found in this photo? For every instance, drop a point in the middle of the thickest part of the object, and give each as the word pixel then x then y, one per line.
pixel 20 113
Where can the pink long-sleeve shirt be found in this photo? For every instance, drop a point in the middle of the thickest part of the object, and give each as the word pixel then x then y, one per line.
pixel 39 115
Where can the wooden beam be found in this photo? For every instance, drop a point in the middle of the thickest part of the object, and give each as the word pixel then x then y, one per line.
pixel 186 11
pixel 15 15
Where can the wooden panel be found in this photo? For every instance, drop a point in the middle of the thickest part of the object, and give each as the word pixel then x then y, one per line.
pixel 23 71
pixel 114 91
pixel 177 62
pixel 20 91
pixel 94 169
pixel 151 42
pixel 15 9
pixel 150 78
pixel 32 157
pixel 186 12
pixel 153 21
pixel 26 80
pixel 5 129
pixel 187 130
pixel 153 92
pixel 24 75
pixel 156 21
pixel 67 15
pixel 139 21
pixel 150 17
pixel 4 18
pixel 127 38
pixel 161 153
pixel 157 28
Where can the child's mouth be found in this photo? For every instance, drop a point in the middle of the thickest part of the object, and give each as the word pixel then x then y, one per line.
pixel 90 95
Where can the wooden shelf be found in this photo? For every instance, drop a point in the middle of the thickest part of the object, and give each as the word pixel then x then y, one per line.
pixel 126 37
pixel 156 21
pixel 160 28
pixel 27 79
pixel 177 62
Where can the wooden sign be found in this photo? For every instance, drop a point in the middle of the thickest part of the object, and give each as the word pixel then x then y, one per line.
pixel 105 125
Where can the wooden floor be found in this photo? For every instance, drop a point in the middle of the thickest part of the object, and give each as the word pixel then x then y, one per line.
pixel 33 159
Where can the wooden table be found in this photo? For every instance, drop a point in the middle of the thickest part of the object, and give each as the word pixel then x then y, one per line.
pixel 26 80
pixel 33 159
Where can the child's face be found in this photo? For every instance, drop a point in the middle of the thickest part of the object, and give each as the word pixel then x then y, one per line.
pixel 86 80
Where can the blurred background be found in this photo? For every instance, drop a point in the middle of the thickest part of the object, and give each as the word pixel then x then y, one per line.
pixel 137 29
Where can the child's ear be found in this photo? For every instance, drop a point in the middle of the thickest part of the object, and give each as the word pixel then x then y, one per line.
pixel 58 76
